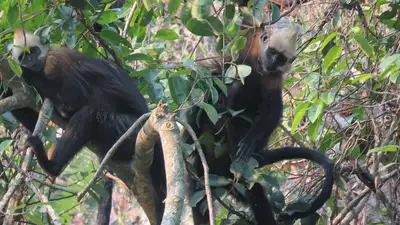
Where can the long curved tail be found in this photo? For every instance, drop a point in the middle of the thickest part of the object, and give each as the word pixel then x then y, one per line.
pixel 285 153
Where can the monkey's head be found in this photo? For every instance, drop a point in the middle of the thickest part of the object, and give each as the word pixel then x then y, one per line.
pixel 275 51
pixel 34 59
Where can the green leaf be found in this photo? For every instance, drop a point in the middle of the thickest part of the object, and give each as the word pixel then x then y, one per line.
pixel 173 6
pixel 387 148
pixel 229 13
pixel 145 17
pixel 14 66
pixel 221 85
pixel 240 188
pixel 148 4
pixel 276 13
pixel 243 71
pixel 230 74
pixel 331 57
pixel 166 34
pixel 258 9
pixel 138 57
pixel 362 78
pixel 364 45
pixel 201 8
pixel 200 28
pixel 216 24
pixel 12 15
pixel 315 110
pixel 211 112
pixel 216 181
pixel 196 198
pixel 179 90
pixel 387 15
pixel 313 129
pixel 237 44
pixel 300 112
pixel 328 97
pixel 327 40
pixel 114 38
pixel 389 61
pixel 186 15
pixel 5 144
pixel 107 17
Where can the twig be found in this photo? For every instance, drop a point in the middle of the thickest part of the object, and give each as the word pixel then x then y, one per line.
pixel 128 20
pixel 50 211
pixel 205 168
pixel 350 206
pixel 111 152
pixel 44 114
pixel 107 47
pixel 301 144
pixel 349 217
pixel 287 12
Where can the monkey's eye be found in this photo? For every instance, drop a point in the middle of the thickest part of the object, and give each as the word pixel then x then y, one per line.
pixel 264 37
pixel 33 50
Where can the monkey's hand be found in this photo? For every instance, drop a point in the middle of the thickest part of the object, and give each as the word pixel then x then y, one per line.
pixel 34 142
pixel 245 149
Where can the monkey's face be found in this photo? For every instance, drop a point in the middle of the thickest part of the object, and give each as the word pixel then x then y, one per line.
pixel 278 52
pixel 32 59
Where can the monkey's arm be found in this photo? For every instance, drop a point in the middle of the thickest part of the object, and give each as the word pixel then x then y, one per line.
pixel 268 116
pixel 75 136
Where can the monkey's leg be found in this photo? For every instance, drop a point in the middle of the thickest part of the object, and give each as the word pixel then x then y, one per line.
pixel 260 205
pixel 75 136
pixel 268 116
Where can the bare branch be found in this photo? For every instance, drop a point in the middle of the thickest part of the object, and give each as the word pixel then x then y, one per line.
pixel 205 168
pixel 111 152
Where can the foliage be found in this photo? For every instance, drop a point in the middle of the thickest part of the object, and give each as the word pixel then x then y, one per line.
pixel 341 76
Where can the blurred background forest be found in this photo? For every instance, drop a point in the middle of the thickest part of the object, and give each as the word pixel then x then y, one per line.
pixel 342 97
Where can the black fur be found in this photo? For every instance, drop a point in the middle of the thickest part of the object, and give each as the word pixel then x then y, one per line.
pixel 100 102
pixel 261 97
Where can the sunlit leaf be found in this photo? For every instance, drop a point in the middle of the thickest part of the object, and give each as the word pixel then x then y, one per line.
pixel 243 71
pixel 327 40
pixel 173 6
pixel 362 78
pixel 14 66
pixel 387 148
pixel 148 4
pixel 364 45
pixel 328 97
pixel 166 34
pixel 315 110
pixel 5 144
pixel 298 118
pixel 107 17
pixel 331 57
